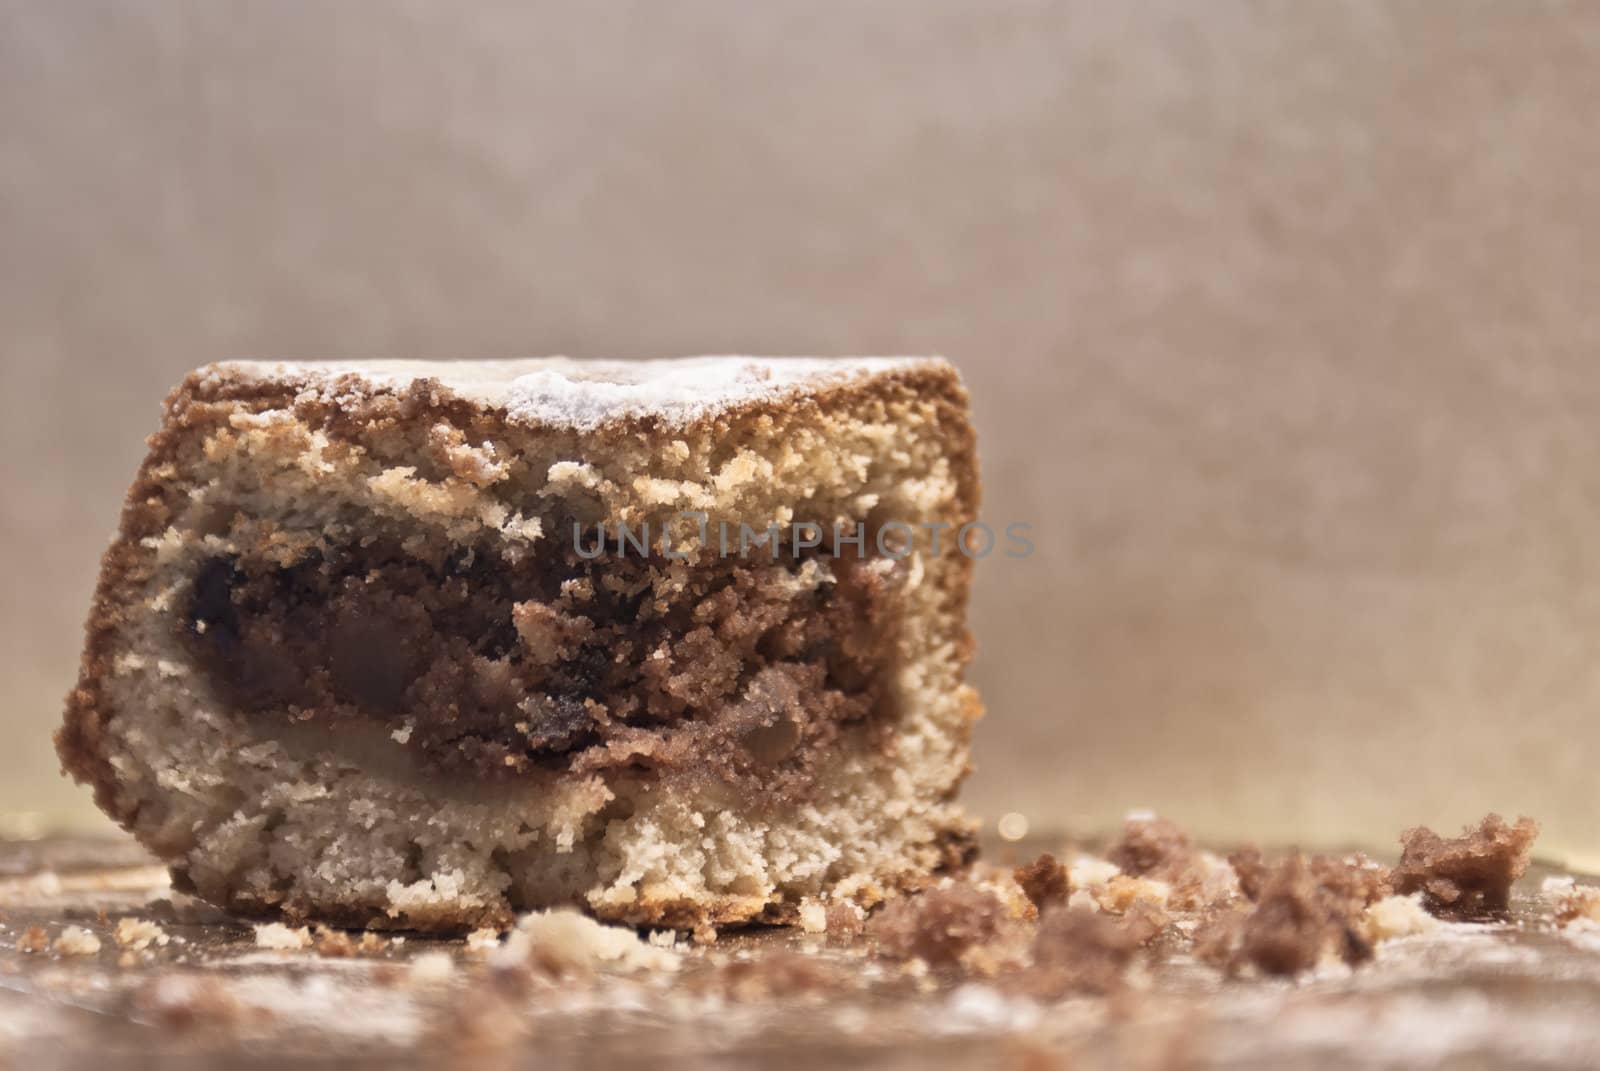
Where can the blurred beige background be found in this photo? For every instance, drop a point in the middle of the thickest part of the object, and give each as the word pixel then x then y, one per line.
pixel 1280 321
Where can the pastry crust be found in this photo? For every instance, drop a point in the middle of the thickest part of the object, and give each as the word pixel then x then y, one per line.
pixel 289 809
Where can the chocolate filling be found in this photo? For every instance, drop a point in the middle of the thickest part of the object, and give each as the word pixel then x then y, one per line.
pixel 744 670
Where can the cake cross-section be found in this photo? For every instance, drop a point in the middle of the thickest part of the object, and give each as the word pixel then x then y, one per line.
pixel 423 644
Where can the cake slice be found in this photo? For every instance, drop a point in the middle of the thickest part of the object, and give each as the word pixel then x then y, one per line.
pixel 423 644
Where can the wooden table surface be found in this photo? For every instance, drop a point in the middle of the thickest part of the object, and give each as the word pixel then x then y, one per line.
pixel 1519 993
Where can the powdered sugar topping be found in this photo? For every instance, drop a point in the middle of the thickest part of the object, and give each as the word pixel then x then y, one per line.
pixel 583 395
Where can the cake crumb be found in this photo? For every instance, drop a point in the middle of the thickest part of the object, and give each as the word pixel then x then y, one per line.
pixel 33 939
pixel 1044 882
pixel 1571 902
pixel 1304 911
pixel 483 940
pixel 1467 876
pixel 478 465
pixel 136 934
pixel 1157 849
pixel 1250 871
pixel 845 919
pixel 277 936
pixel 814 916
pixel 1123 891
pixel 1151 846
pixel 1398 916
pixel 562 942
pixel 77 941
pixel 1078 951
pixel 333 944
pixel 1088 874
pixel 939 925
pixel 1003 884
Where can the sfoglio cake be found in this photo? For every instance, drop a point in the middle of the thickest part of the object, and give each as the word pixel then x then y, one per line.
pixel 423 644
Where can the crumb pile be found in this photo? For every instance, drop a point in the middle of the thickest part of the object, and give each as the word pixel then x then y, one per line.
pixel 1575 906
pixel 1048 929
pixel 1294 914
